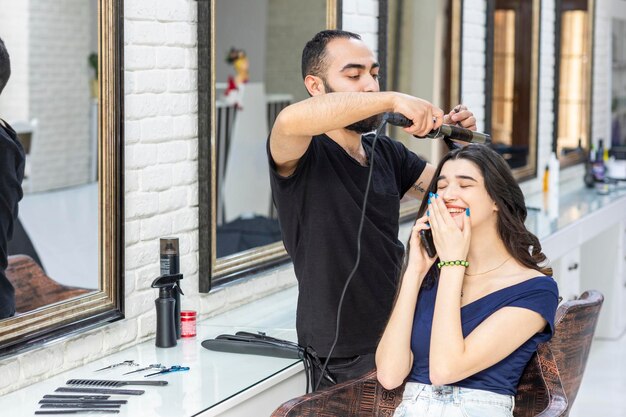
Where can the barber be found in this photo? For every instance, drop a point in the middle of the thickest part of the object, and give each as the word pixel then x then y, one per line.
pixel 11 175
pixel 319 153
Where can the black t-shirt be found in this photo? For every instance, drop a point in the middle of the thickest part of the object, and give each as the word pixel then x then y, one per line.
pixel 319 208
pixel 11 175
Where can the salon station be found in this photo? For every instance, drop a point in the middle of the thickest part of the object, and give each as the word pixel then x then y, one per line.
pixel 145 126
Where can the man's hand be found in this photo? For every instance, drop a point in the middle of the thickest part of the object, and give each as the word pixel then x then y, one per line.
pixel 424 115
pixel 460 116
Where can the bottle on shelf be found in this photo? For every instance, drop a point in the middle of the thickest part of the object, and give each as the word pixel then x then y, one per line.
pixel 597 165
pixel 598 168
pixel 589 177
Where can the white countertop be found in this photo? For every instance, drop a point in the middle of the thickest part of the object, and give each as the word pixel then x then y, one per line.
pixel 575 202
pixel 214 377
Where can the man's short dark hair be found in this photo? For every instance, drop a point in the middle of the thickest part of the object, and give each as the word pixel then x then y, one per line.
pixel 314 52
pixel 5 66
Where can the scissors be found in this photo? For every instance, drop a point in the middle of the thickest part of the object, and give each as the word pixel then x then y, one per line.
pixel 174 368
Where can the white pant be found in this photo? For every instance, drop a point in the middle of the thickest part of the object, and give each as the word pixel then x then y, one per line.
pixel 421 400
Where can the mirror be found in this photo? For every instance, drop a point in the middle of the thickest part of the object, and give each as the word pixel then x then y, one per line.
pixel 248 70
pixel 512 82
pixel 423 57
pixel 572 104
pixel 64 101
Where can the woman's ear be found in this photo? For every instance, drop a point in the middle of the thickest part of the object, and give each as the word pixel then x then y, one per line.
pixel 314 85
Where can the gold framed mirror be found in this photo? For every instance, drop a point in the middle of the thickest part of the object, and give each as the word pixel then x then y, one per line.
pixel 512 74
pixel 573 69
pixel 93 70
pixel 248 70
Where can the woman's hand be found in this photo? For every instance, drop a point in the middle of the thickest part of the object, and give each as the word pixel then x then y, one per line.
pixel 451 241
pixel 418 258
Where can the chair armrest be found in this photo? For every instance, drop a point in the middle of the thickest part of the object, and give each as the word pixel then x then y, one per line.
pixel 360 397
pixel 557 401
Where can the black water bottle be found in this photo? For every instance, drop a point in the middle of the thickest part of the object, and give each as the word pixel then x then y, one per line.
pixel 170 265
pixel 165 310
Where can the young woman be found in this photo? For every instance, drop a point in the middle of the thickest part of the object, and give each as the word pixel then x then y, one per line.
pixel 463 332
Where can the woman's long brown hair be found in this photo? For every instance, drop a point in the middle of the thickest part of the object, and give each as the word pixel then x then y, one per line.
pixel 506 193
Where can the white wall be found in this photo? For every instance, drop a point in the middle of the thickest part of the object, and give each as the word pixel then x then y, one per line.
pixel 49 43
pixel 14 33
pixel 242 24
pixel 618 9
pixel 60 96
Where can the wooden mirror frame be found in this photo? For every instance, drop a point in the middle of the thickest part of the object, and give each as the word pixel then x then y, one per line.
pixel 106 304
pixel 573 158
pixel 211 269
pixel 528 171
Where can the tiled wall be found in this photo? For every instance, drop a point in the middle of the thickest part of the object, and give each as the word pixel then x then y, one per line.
pixel 161 165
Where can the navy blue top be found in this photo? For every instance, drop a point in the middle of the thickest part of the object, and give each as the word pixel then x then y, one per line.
pixel 538 294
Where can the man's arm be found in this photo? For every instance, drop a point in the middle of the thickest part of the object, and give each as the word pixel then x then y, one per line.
pixel 298 123
pixel 418 190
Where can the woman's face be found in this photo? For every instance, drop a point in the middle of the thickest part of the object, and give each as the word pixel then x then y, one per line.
pixel 461 185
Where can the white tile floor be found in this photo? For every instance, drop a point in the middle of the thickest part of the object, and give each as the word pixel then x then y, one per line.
pixel 603 389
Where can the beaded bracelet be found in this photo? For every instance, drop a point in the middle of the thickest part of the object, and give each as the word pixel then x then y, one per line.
pixel 452 263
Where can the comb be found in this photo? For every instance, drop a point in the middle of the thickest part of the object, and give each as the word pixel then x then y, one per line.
pixel 76 397
pixel 76 411
pixel 101 391
pixel 83 411
pixel 79 401
pixel 112 383
pixel 80 405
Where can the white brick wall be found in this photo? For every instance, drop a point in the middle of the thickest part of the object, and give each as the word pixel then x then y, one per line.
pixel 602 71
pixel 361 16
pixel 161 148
pixel 473 58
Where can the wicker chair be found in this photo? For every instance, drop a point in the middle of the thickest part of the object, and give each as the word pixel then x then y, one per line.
pixel 33 288
pixel 548 386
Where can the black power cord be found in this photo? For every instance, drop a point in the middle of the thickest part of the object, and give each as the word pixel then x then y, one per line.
pixel 358 248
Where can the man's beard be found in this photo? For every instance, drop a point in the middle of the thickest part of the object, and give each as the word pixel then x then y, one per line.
pixel 362 126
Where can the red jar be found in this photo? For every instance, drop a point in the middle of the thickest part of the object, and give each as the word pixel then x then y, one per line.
pixel 188 323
